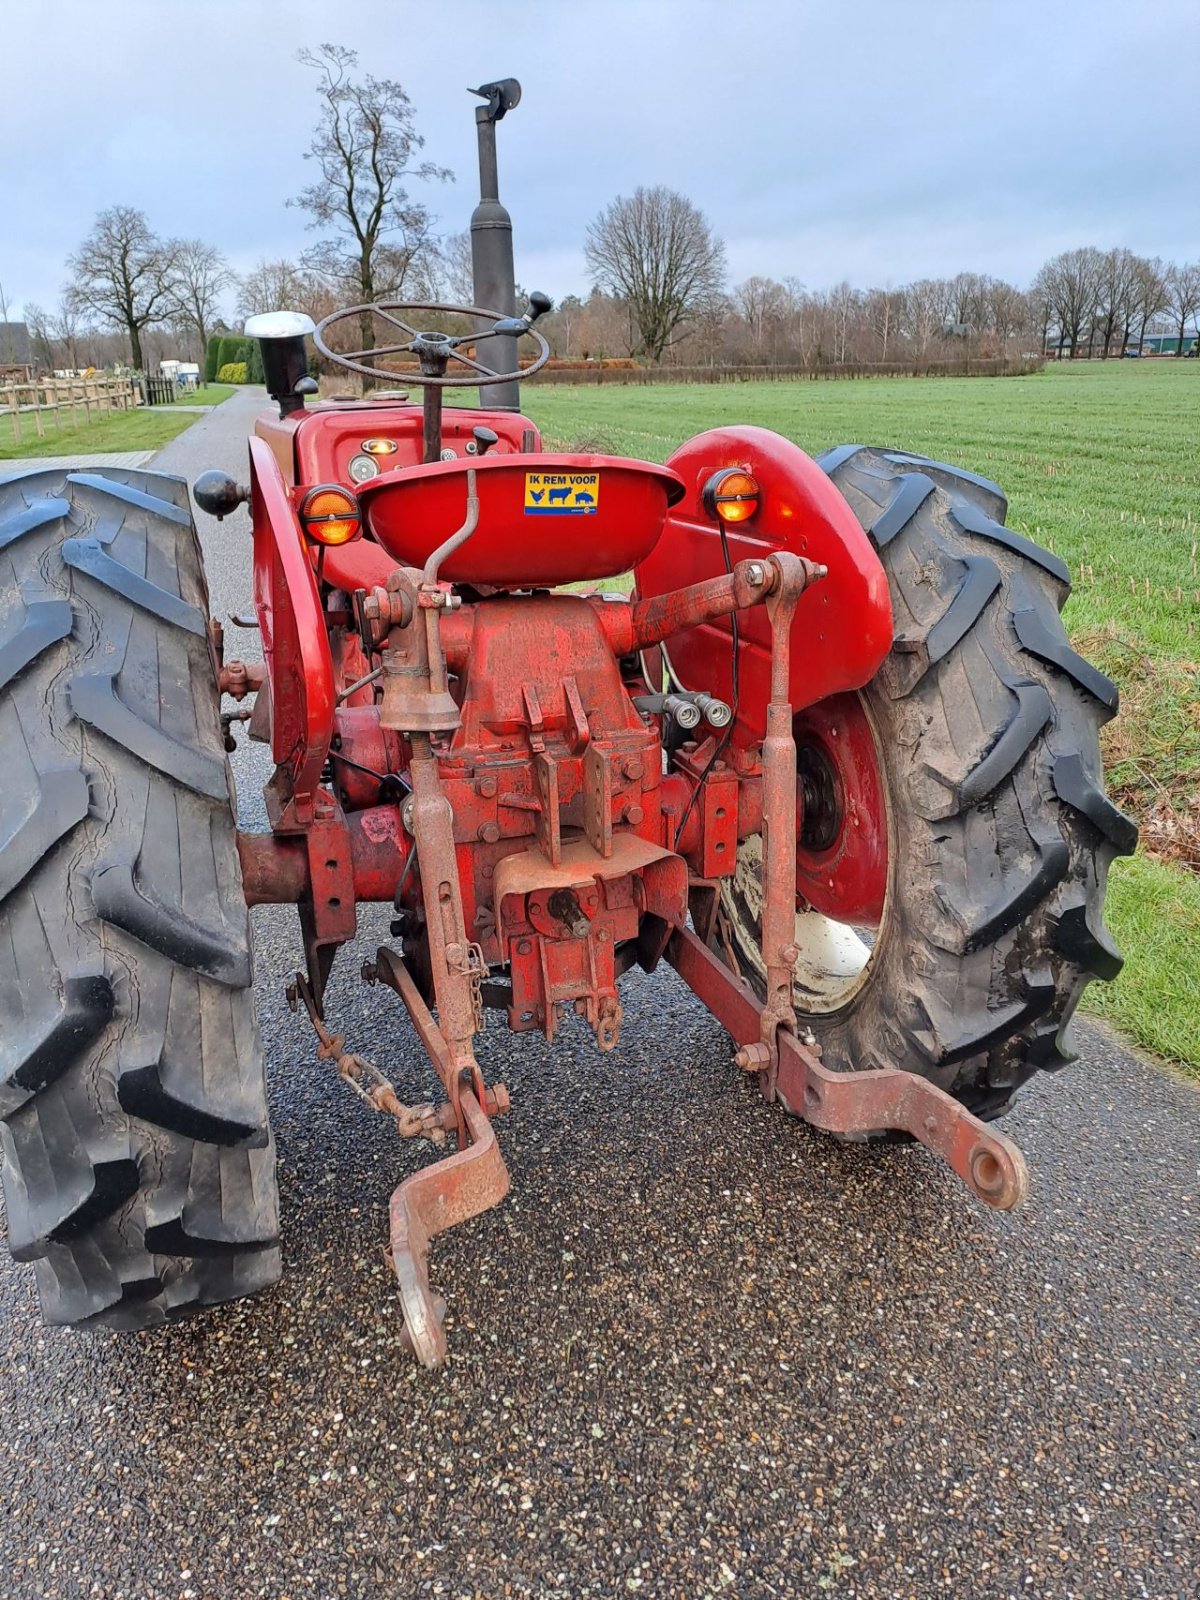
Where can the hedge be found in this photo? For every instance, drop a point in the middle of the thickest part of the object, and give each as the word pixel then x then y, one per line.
pixel 232 372
pixel 234 348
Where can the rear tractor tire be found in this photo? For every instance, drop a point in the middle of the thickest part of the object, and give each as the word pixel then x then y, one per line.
pixel 984 725
pixel 138 1166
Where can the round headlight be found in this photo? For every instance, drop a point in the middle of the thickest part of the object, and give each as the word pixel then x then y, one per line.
pixel 363 467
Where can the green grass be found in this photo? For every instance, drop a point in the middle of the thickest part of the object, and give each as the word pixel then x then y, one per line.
pixel 208 394
pixel 1154 913
pixel 1101 462
pixel 147 428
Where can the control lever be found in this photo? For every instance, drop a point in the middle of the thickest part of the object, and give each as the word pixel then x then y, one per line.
pixel 539 304
pixel 484 439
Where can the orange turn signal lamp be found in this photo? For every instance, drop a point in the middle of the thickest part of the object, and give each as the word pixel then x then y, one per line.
pixel 730 495
pixel 329 514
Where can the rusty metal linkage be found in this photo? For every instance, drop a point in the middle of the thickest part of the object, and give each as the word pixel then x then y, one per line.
pixel 989 1164
pixel 426 1121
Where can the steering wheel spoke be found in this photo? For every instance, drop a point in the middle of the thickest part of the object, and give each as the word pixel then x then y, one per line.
pixel 476 366
pixel 395 321
pixel 378 350
pixel 435 350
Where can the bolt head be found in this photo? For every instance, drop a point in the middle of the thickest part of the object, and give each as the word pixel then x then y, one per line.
pixel 753 1058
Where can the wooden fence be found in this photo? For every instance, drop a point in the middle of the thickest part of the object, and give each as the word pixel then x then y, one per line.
pixel 990 367
pixel 34 408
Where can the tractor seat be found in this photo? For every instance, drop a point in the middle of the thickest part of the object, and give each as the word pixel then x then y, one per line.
pixel 544 519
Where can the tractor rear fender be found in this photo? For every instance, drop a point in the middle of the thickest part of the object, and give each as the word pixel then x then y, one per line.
pixel 843 626
pixel 294 640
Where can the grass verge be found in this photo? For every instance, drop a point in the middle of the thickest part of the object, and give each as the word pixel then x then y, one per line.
pixel 1153 911
pixel 147 428
pixel 208 394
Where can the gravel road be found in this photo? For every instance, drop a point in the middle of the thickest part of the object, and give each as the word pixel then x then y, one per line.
pixel 701 1350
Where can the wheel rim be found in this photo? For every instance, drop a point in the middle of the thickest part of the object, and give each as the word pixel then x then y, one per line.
pixel 843 856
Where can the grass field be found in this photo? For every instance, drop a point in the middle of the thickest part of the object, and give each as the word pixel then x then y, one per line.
pixel 147 428
pixel 1101 462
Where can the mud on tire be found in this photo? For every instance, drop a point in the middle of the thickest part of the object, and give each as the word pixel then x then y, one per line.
pixel 138 1166
pixel 1000 832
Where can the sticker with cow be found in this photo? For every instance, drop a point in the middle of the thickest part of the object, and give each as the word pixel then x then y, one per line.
pixel 559 494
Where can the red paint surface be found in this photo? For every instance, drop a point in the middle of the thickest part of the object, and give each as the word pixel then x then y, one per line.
pixel 848 881
pixel 411 511
pixel 294 640
pixel 843 626
pixel 327 437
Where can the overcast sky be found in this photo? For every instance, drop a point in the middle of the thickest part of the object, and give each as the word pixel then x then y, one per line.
pixel 875 140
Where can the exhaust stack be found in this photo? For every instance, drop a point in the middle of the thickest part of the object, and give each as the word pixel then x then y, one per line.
pixel 491 243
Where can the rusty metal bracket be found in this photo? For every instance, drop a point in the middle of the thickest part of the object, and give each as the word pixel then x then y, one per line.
pixel 990 1164
pixel 548 822
pixel 453 1190
pixel 598 799
pixel 793 574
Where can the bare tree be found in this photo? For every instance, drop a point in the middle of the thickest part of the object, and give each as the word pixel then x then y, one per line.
pixel 455 273
pixel 884 310
pixel 1114 286
pixel 41 338
pixel 965 303
pixel 762 304
pixel 125 275
pixel 1183 297
pixel 365 146
pixel 280 285
pixel 203 273
pixel 657 252
pixel 926 313
pixel 1148 295
pixel 1009 312
pixel 561 326
pixel 1070 287
pixel 64 327
pixel 845 305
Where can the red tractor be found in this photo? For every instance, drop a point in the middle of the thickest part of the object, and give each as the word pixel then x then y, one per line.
pixel 833 759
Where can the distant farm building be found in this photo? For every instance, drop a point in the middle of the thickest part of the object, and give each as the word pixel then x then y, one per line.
pixel 1167 344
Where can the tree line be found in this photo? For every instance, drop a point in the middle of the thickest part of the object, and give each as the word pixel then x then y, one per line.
pixel 660 290
pixel 658 271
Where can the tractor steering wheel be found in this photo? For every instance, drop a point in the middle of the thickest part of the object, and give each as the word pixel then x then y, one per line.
pixel 435 350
